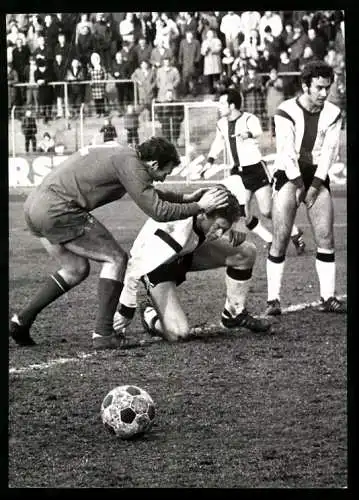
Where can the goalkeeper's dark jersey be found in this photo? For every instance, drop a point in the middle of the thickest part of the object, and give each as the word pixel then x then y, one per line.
pixel 96 176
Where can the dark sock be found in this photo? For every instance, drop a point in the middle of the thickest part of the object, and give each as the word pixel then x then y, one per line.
pixel 109 292
pixel 54 287
pixel 252 223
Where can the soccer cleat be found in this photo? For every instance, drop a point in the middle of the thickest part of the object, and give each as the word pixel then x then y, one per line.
pixel 113 341
pixel 20 333
pixel 244 319
pixel 298 242
pixel 273 308
pixel 332 305
pixel 149 327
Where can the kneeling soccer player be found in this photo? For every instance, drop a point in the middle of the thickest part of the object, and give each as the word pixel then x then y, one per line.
pixel 162 254
pixel 59 210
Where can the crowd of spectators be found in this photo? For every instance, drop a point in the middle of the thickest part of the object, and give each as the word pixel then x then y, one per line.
pixel 187 53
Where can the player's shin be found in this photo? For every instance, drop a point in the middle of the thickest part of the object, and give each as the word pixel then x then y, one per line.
pixel 109 292
pixel 53 288
pixel 237 286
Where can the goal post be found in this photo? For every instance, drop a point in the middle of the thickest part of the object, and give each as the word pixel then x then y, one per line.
pixel 191 126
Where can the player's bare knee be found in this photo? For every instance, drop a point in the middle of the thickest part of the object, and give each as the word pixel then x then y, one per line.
pixel 118 258
pixel 74 275
pixel 245 257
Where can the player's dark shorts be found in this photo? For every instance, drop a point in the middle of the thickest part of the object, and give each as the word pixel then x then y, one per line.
pixel 253 176
pixel 174 271
pixel 307 172
pixel 49 216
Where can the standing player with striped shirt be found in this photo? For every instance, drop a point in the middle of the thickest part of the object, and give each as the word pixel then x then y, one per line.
pixel 237 133
pixel 307 141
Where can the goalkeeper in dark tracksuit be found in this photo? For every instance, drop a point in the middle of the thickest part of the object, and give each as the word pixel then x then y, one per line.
pixel 58 211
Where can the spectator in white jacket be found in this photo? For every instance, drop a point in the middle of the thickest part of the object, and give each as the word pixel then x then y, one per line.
pixel 249 21
pixel 231 27
pixel 274 21
pixel 212 63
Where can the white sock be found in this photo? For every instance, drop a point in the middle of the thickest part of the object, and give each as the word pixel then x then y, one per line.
pixel 295 230
pixel 151 318
pixel 326 274
pixel 237 292
pixel 257 227
pixel 274 279
pixel 263 232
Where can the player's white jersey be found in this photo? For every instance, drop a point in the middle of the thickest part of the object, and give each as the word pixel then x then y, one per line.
pixel 240 152
pixel 235 185
pixel 309 137
pixel 158 243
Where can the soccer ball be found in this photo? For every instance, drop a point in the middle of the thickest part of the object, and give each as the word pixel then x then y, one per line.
pixel 127 411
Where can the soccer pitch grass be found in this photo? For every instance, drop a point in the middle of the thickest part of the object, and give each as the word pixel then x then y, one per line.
pixel 234 410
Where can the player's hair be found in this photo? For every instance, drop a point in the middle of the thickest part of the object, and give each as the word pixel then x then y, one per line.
pixel 234 96
pixel 316 69
pixel 160 150
pixel 232 212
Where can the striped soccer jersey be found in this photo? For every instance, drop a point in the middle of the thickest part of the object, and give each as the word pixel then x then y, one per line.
pixel 239 152
pixel 311 138
pixel 158 243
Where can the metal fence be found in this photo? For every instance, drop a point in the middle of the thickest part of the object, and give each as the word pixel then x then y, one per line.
pixel 62 106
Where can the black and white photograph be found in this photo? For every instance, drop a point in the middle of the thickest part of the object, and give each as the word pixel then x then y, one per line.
pixel 177 255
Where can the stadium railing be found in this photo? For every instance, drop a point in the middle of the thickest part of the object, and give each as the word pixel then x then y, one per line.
pixel 66 84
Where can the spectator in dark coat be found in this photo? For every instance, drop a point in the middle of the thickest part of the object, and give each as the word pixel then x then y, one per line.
pixel 59 75
pixel 43 52
pixel 103 40
pixel 307 57
pixel 29 129
pixel 12 78
pixel 64 48
pixel 20 59
pixel 270 42
pixel 287 36
pixel 42 77
pixel 299 41
pixel 121 71
pixel 66 23
pixel 108 131
pixel 76 73
pixel 143 50
pixel 51 32
pixel 317 44
pixel 189 57
pixel 266 62
pixel 129 57
pixel 290 83
pixel 84 45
